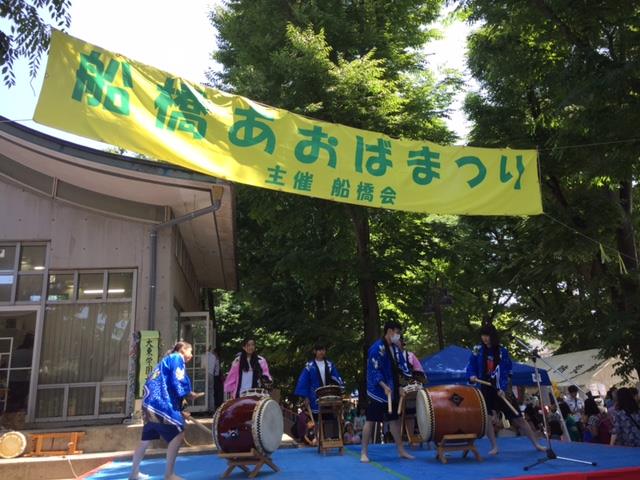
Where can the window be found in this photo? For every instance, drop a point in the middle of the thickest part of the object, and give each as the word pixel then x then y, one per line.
pixel 85 344
pixel 7 257
pixel 32 258
pixel 119 285
pixel 61 287
pixel 6 287
pixel 22 271
pixel 91 286
pixel 29 288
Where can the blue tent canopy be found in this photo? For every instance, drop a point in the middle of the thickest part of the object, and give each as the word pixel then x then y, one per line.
pixel 449 366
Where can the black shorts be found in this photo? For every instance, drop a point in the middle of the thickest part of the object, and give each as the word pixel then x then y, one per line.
pixel 496 404
pixel 153 431
pixel 378 411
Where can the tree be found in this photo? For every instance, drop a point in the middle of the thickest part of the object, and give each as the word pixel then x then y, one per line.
pixel 564 77
pixel 354 63
pixel 29 32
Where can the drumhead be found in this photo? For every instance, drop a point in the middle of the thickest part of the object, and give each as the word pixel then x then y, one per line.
pixel 412 387
pixel 268 426
pixel 424 415
pixel 483 413
pixel 12 444
pixel 255 392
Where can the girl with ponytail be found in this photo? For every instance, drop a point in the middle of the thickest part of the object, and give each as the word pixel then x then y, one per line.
pixel 248 370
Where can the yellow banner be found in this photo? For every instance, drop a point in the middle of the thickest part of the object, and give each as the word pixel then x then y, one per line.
pixel 104 96
pixel 149 347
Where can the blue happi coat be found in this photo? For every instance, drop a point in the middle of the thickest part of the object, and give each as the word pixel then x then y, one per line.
pixel 476 366
pixel 165 388
pixel 310 379
pixel 379 368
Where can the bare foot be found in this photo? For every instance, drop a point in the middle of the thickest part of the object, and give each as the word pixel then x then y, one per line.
pixel 540 448
pixel 493 451
pixel 404 454
pixel 364 458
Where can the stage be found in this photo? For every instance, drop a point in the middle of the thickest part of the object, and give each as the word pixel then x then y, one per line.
pixel 306 463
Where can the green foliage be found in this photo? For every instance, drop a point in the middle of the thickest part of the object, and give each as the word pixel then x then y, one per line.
pixel 564 77
pixel 296 282
pixel 28 32
pixel 354 63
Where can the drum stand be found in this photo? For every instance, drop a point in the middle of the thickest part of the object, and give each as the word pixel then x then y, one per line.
pixel 333 407
pixel 460 442
pixel 243 460
pixel 551 455
pixel 413 439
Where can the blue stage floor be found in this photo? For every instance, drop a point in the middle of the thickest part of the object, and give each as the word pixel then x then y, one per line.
pixel 307 464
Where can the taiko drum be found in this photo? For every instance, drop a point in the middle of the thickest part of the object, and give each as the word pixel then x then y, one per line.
pixel 248 422
pixel 448 410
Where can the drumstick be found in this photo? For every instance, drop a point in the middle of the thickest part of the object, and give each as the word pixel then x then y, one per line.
pixel 310 414
pixel 504 399
pixel 389 407
pixel 509 405
pixel 200 425
pixel 488 384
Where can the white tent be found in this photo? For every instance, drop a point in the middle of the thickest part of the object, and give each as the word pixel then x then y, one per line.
pixel 586 370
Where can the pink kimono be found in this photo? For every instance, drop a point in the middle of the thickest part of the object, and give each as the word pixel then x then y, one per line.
pixel 415 363
pixel 231 382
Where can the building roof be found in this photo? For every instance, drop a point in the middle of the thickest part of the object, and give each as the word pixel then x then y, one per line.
pixel 127 187
pixel 584 368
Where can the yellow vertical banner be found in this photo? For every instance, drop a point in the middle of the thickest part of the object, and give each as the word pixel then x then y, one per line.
pixel 107 97
pixel 149 350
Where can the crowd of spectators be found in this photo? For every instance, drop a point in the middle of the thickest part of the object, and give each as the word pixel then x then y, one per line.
pixel 614 420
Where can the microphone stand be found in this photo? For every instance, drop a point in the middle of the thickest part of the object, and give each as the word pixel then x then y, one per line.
pixel 551 455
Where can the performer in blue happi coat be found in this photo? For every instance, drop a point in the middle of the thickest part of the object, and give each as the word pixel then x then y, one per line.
pixel 490 362
pixel 317 373
pixel 167 386
pixel 385 366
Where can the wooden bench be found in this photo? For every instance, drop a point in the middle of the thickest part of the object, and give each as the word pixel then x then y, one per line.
pixel 38 443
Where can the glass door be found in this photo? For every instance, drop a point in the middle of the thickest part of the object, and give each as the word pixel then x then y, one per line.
pixel 6 347
pixel 197 329
pixel 17 335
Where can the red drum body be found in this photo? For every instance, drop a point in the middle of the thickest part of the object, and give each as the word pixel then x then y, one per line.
pixel 248 422
pixel 449 410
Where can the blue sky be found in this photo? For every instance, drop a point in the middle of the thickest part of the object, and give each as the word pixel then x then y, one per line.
pixel 176 39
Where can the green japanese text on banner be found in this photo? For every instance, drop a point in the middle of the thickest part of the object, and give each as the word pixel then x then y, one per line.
pixel 107 97
pixel 149 345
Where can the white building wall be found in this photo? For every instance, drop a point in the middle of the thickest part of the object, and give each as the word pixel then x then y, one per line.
pixel 83 239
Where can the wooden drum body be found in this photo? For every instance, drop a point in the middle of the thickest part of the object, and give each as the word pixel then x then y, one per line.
pixel 248 422
pixel 329 394
pixel 449 410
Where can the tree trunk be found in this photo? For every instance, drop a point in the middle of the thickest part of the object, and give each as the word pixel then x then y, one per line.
pixel 629 289
pixel 367 287
pixel 626 235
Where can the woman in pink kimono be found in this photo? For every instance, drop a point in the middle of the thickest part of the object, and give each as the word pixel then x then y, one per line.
pixel 248 370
